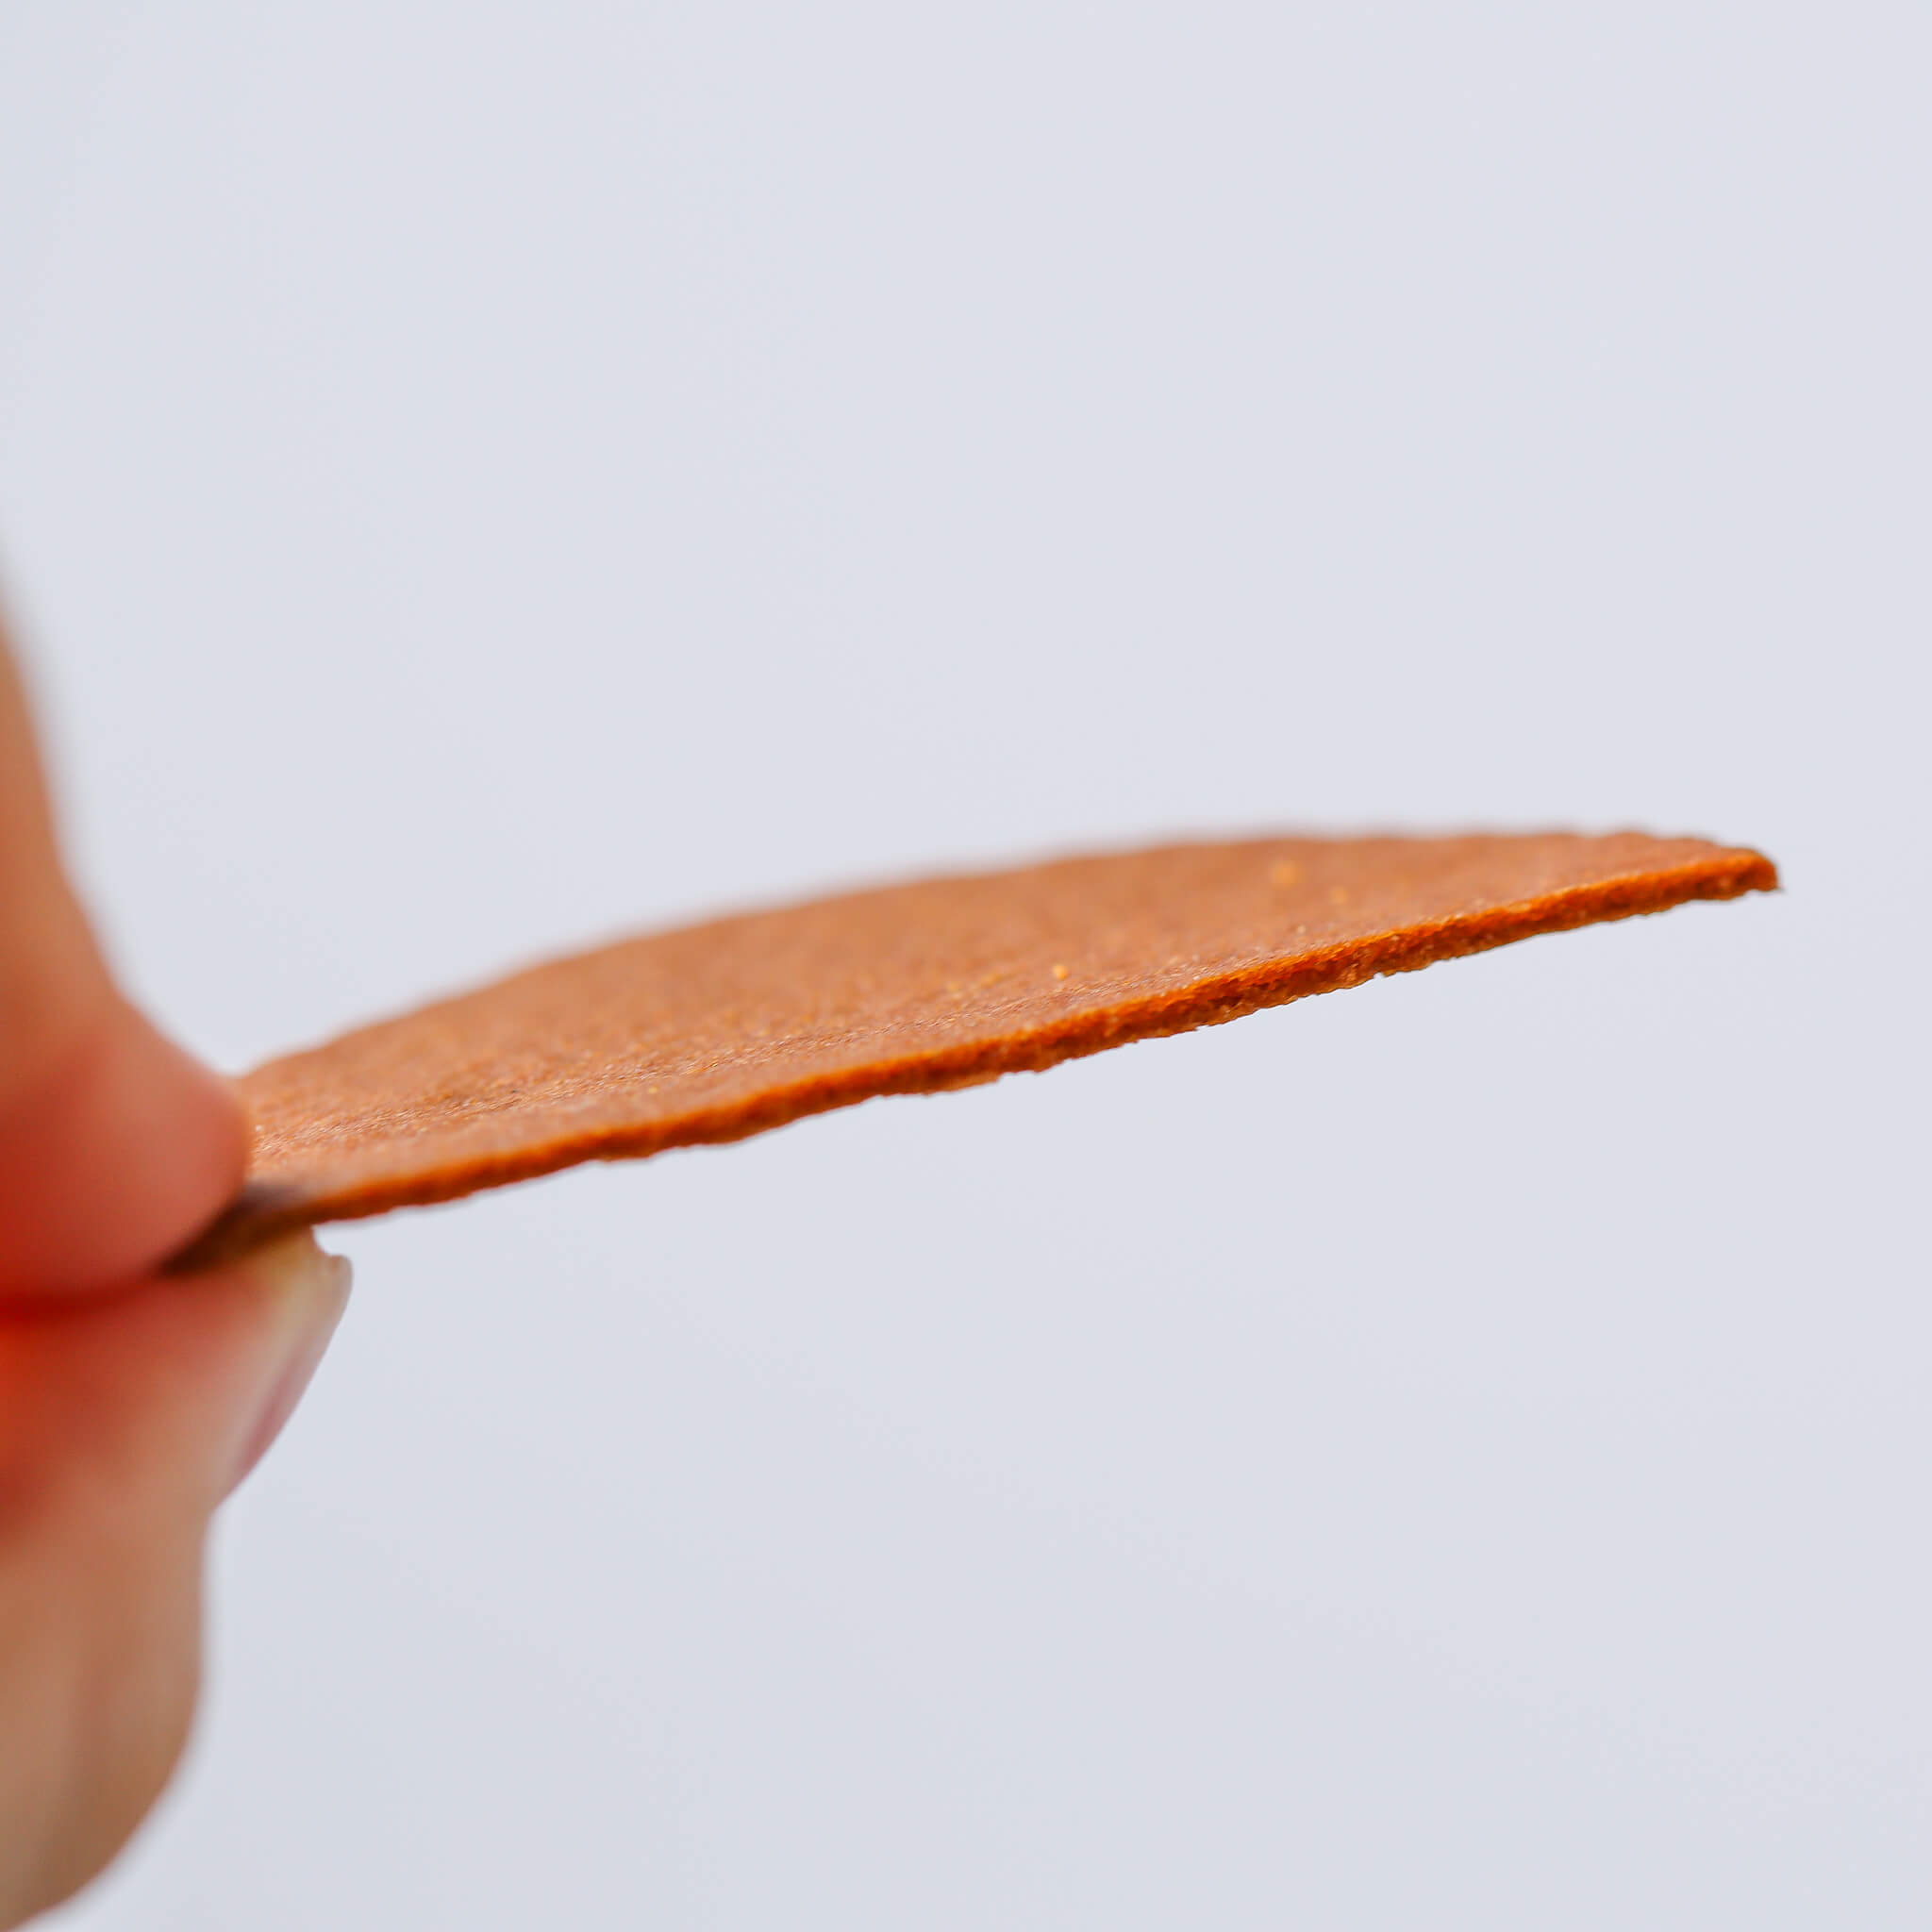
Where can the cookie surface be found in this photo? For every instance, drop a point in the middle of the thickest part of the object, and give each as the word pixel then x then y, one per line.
pixel 716 1031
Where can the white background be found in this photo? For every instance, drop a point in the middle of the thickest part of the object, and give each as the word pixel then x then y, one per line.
pixel 475 477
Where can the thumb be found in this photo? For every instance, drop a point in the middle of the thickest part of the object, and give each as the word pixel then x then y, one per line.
pixel 124 1419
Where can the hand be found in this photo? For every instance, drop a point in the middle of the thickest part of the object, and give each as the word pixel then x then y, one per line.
pixel 131 1403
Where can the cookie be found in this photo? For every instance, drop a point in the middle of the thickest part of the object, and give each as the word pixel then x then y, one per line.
pixel 716 1031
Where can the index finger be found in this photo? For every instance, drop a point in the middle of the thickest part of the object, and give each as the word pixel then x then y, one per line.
pixel 115 1146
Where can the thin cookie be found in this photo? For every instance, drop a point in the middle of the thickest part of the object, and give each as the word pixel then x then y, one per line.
pixel 717 1031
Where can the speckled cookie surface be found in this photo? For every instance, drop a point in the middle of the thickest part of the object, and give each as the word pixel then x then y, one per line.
pixel 715 1031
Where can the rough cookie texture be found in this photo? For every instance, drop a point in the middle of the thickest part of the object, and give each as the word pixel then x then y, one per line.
pixel 716 1031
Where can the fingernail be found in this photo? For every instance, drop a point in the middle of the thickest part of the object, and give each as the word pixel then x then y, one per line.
pixel 312 1289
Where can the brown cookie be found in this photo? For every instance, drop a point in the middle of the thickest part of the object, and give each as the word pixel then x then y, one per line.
pixel 716 1031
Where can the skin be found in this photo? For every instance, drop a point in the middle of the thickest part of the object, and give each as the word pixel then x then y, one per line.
pixel 131 1403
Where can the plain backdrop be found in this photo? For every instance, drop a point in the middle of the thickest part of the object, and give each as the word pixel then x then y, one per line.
pixel 478 478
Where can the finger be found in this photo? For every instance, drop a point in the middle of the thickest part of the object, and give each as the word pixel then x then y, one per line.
pixel 115 1146
pixel 124 1421
pixel 112 1158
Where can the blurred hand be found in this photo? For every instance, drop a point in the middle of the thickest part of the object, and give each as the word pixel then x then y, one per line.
pixel 131 1404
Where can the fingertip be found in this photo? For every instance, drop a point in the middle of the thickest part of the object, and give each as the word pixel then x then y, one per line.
pixel 112 1158
pixel 310 1289
pixel 139 1410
